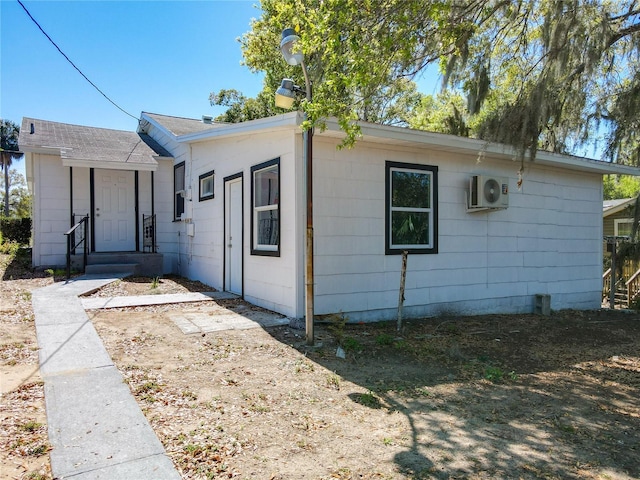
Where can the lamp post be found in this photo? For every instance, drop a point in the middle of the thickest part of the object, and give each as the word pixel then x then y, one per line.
pixel 285 96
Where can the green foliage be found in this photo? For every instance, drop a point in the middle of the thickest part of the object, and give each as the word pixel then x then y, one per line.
pixel 19 197
pixel 534 73
pixel 30 426
pixel 351 344
pixel 241 108
pixel 9 151
pixel 337 325
pixel 16 230
pixel 9 248
pixel 620 186
pixel 445 113
pixel 384 339
pixel 497 375
pixel 36 476
pixel 368 399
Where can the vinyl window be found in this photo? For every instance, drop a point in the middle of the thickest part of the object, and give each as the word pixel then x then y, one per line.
pixel 265 225
pixel 206 186
pixel 178 190
pixel 411 208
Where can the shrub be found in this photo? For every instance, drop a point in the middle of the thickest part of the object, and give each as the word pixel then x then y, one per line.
pixel 15 230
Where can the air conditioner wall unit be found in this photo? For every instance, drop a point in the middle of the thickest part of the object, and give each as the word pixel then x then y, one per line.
pixel 486 191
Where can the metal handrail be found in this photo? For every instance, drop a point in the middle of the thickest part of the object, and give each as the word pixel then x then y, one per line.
pixel 72 244
pixel 149 233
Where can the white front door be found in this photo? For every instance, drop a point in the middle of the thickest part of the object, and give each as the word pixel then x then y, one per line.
pixel 114 211
pixel 233 235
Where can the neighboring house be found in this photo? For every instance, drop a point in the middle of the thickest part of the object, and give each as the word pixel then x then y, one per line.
pixel 617 216
pixel 617 221
pixel 230 212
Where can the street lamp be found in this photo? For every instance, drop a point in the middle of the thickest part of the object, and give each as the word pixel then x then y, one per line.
pixel 285 96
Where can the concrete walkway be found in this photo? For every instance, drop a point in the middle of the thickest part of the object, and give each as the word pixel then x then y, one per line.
pixel 96 428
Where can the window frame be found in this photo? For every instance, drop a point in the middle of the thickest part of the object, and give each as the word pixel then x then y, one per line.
pixel 178 200
pixel 621 221
pixel 261 249
pixel 207 196
pixel 432 247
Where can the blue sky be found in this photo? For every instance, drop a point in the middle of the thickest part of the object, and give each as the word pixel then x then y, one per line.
pixel 156 56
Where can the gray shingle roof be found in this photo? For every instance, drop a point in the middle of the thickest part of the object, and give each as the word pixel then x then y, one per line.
pixel 181 126
pixel 617 204
pixel 100 145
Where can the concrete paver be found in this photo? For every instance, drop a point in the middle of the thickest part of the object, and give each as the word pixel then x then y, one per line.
pixel 96 424
pixel 96 428
pixel 143 300
pixel 204 322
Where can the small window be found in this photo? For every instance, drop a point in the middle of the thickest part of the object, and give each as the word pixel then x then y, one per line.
pixel 265 225
pixel 411 208
pixel 178 189
pixel 206 186
pixel 622 226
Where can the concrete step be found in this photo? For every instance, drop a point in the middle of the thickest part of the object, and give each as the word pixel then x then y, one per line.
pixel 131 268
pixel 146 264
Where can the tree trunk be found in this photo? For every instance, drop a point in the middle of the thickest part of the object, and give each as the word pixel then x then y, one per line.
pixel 5 166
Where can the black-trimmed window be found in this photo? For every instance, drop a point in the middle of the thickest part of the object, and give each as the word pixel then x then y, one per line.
pixel 205 189
pixel 178 190
pixel 265 206
pixel 411 220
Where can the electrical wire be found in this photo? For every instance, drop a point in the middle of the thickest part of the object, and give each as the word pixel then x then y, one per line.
pixel 74 65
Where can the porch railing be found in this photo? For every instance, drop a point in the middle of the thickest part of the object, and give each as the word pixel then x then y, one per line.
pixel 606 284
pixel 627 285
pixel 77 235
pixel 149 233
pixel 633 288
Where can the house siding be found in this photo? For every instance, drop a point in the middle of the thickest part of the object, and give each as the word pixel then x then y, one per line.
pixel 609 221
pixel 163 198
pixel 51 210
pixel 548 241
pixel 268 281
pixel 488 262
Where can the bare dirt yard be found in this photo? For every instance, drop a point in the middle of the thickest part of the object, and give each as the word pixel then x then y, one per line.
pixel 503 396
pixel 24 444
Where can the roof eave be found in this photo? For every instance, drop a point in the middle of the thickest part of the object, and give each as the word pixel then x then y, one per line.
pixel 88 163
pixel 279 122
pixel 618 208
pixel 463 145
pixel 146 118
pixel 41 149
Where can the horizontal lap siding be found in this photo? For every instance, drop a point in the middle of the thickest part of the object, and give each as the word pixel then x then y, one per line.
pixel 270 282
pixel 52 196
pixel 548 241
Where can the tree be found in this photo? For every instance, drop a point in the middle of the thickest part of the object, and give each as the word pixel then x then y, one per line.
pixel 546 74
pixel 241 108
pixel 620 186
pixel 9 151
pixel 445 113
pixel 19 197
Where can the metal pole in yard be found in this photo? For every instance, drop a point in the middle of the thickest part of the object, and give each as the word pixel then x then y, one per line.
pixel 612 293
pixel 403 277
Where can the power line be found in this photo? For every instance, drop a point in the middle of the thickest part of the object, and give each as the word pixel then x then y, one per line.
pixel 74 65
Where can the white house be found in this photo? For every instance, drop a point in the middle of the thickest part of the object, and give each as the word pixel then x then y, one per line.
pixel 229 207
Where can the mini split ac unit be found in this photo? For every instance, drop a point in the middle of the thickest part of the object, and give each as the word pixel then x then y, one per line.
pixel 488 192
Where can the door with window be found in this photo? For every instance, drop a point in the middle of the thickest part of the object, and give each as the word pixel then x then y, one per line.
pixel 233 221
pixel 114 213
